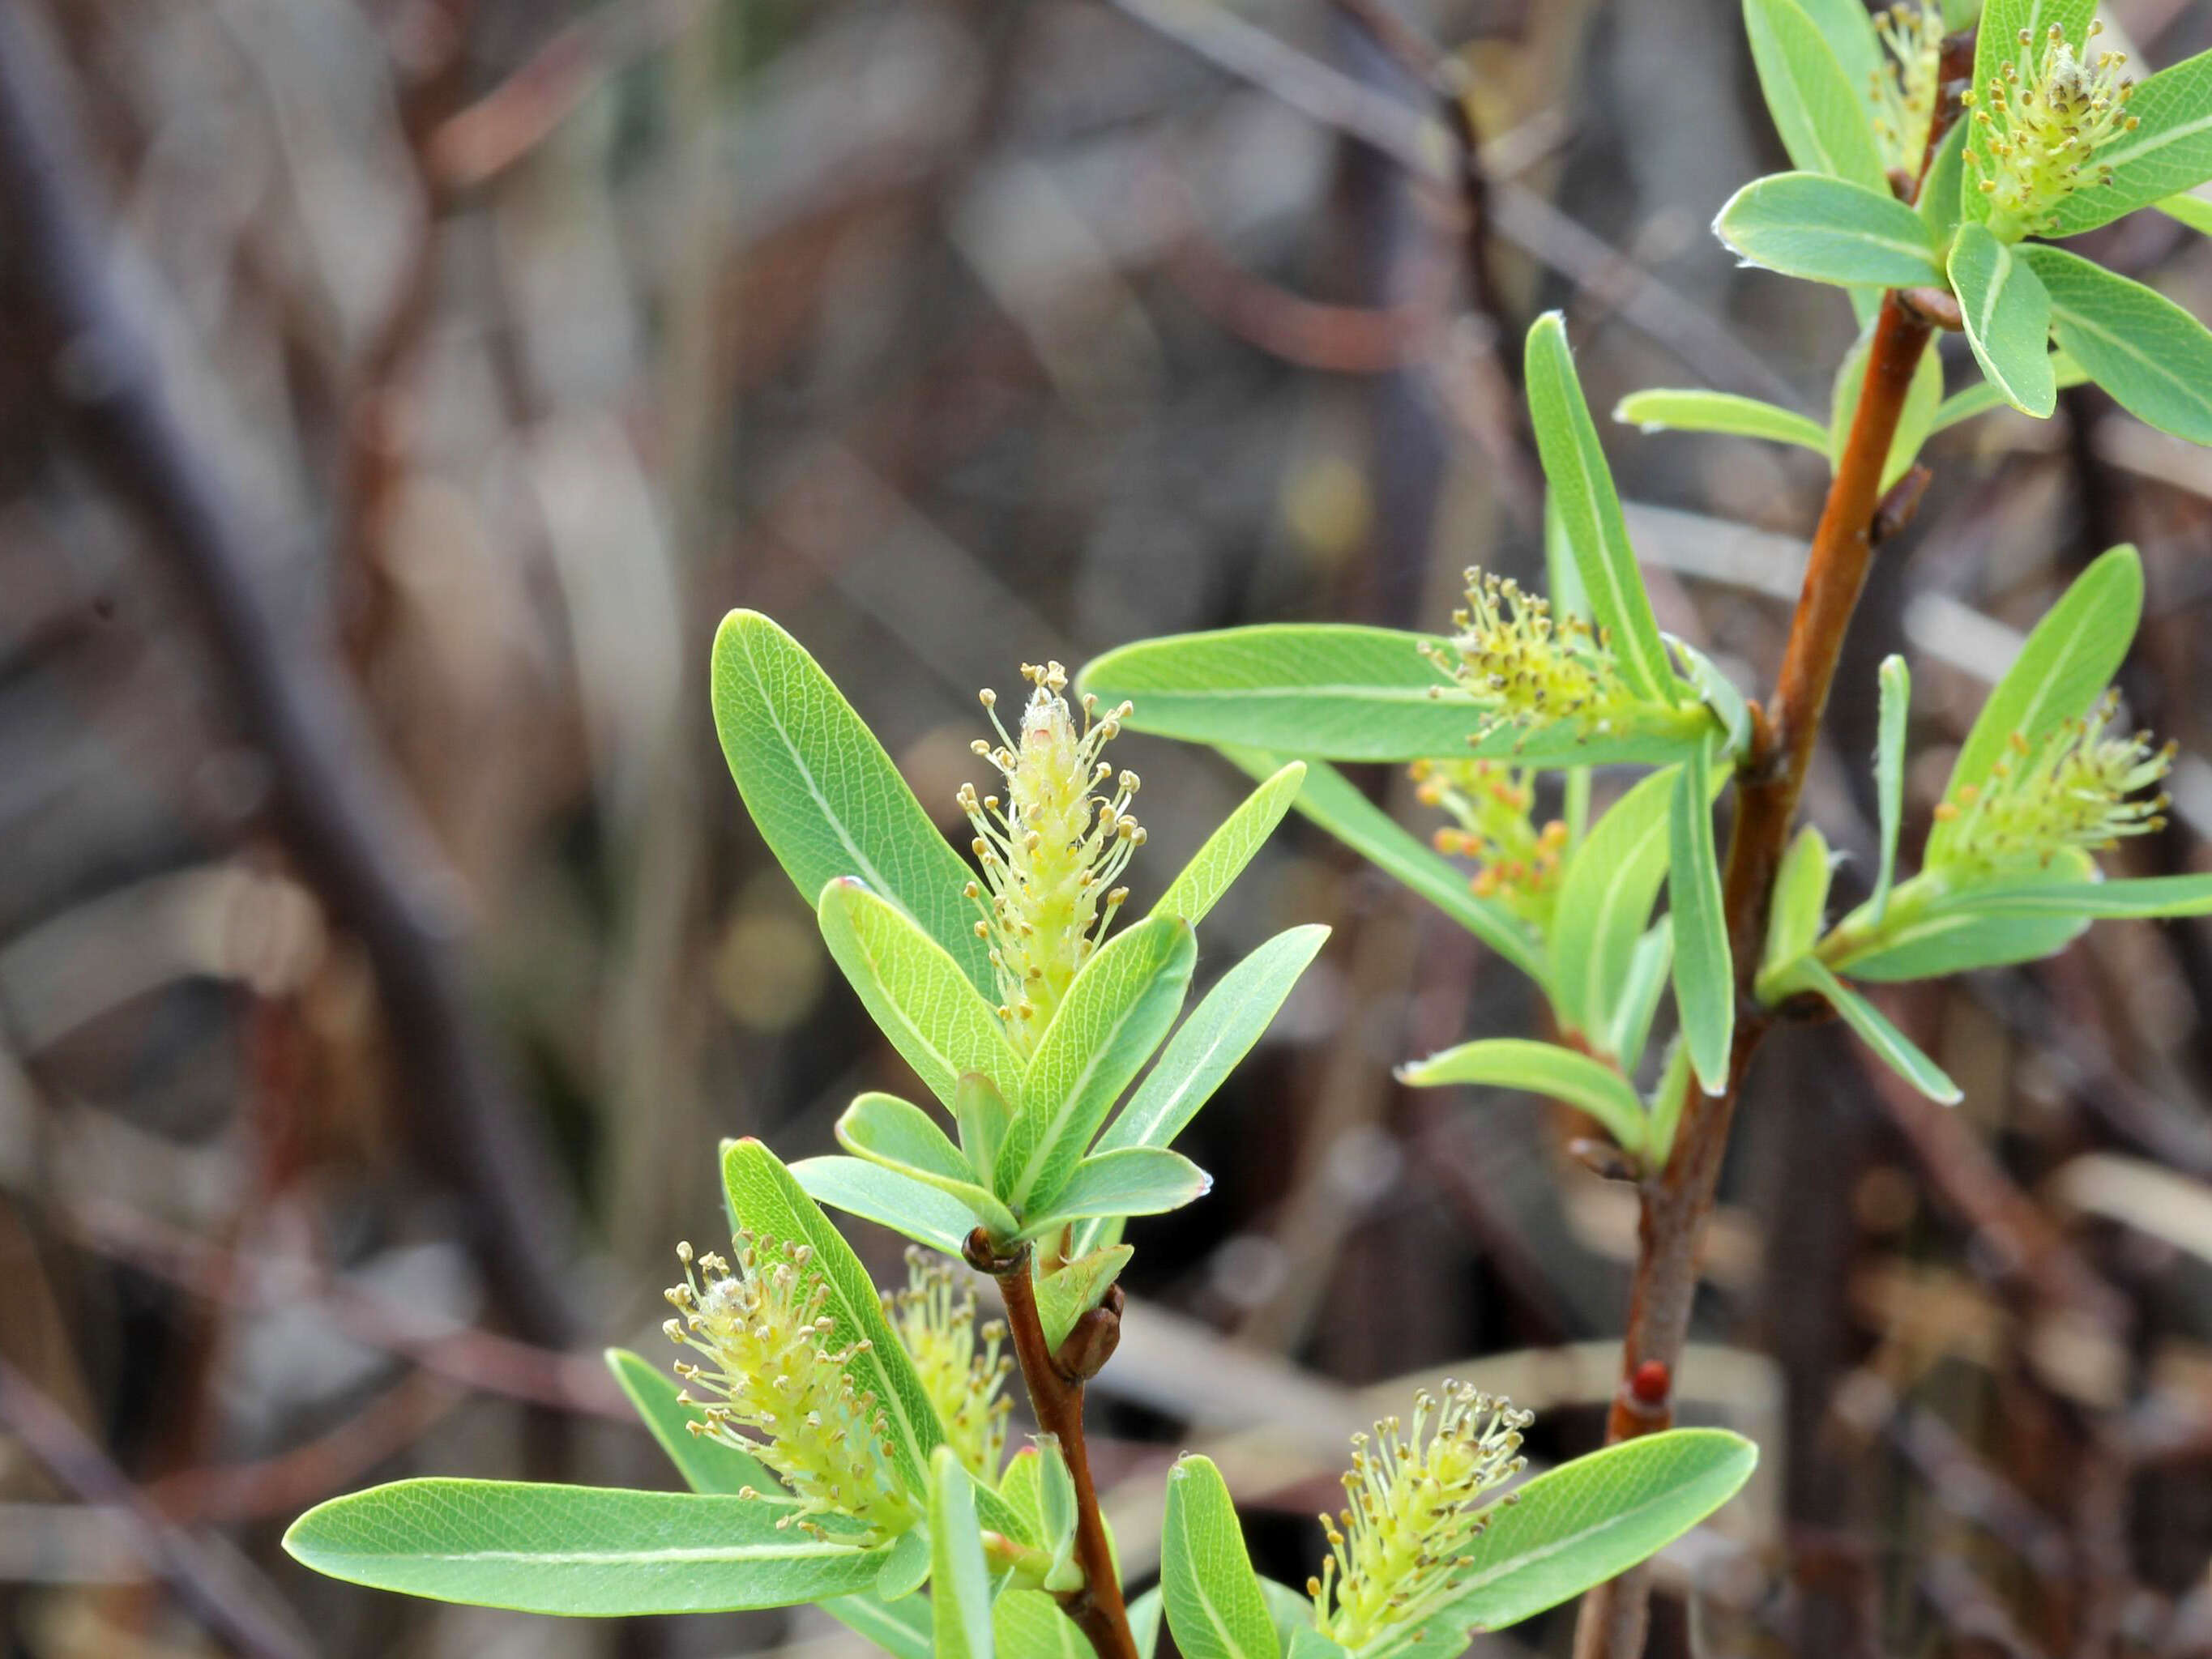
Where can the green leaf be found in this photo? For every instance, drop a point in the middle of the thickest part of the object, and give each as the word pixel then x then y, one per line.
pixel 961 1603
pixel 1705 982
pixel 1145 1622
pixel 1589 510
pixel 707 1466
pixel 906 1564
pixel 1898 1051
pixel 2193 211
pixel 826 796
pixel 1334 802
pixel 900 1136
pixel 2008 319
pixel 1718 693
pixel 1208 1046
pixel 1606 894
pixel 1337 691
pixel 2063 667
pixel 1056 1511
pixel 1823 116
pixel 2138 897
pixel 1135 1180
pixel 1997 44
pixel 1590 1520
pixel 1670 409
pixel 1669 1095
pixel 1896 682
pixel 1981 397
pixel 1113 1017
pixel 2154 357
pixel 1543 1068
pixel 907 1206
pixel 1069 1292
pixel 1230 848
pixel 1648 970
pixel 589 1552
pixel 983 1117
pixel 1215 1607
pixel 915 992
pixel 1931 932
pixel 1028 1624
pixel 1938 201
pixel 768 1203
pixel 2169 151
pixel 902 1629
pixel 1829 230
pixel 1848 28
pixel 1800 900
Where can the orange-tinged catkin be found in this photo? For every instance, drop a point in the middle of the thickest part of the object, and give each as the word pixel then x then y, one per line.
pixel 1051 848
pixel 782 1391
pixel 1517 861
pixel 1419 1493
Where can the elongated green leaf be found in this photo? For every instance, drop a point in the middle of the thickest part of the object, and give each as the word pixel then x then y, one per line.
pixel 900 1136
pixel 1899 1051
pixel 2063 667
pixel 1848 28
pixel 707 1466
pixel 1588 1521
pixel 2154 357
pixel 1649 970
pixel 1606 894
pixel 1981 397
pixel 2169 149
pixel 1589 509
pixel 1333 801
pixel 1829 230
pixel 961 1602
pixel 1543 1068
pixel 1230 848
pixel 826 797
pixel 1996 44
pixel 1341 692
pixel 768 1202
pixel 983 1117
pixel 1206 1047
pixel 915 992
pixel 1718 693
pixel 1113 1017
pixel 1028 1624
pixel 1214 1604
pixel 588 1552
pixel 1938 201
pixel 2138 897
pixel 1145 1622
pixel 1669 1095
pixel 1823 117
pixel 1068 1292
pixel 1704 982
pixel 2008 319
pixel 1931 930
pixel 907 1206
pixel 1667 410
pixel 903 1629
pixel 1135 1180
pixel 1800 899
pixel 1896 682
pixel 906 1564
pixel 2193 211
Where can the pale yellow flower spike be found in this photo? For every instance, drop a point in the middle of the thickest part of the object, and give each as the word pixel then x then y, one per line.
pixel 1419 1497
pixel 1051 849
pixel 2042 129
pixel 772 1371
pixel 1906 86
pixel 1524 666
pixel 961 1369
pixel 2078 788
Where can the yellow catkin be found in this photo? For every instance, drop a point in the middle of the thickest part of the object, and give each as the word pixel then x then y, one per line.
pixel 1051 847
pixel 1524 667
pixel 1516 860
pixel 2076 788
pixel 780 1390
pixel 1419 1494
pixel 959 1362
pixel 2038 125
pixel 1908 83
